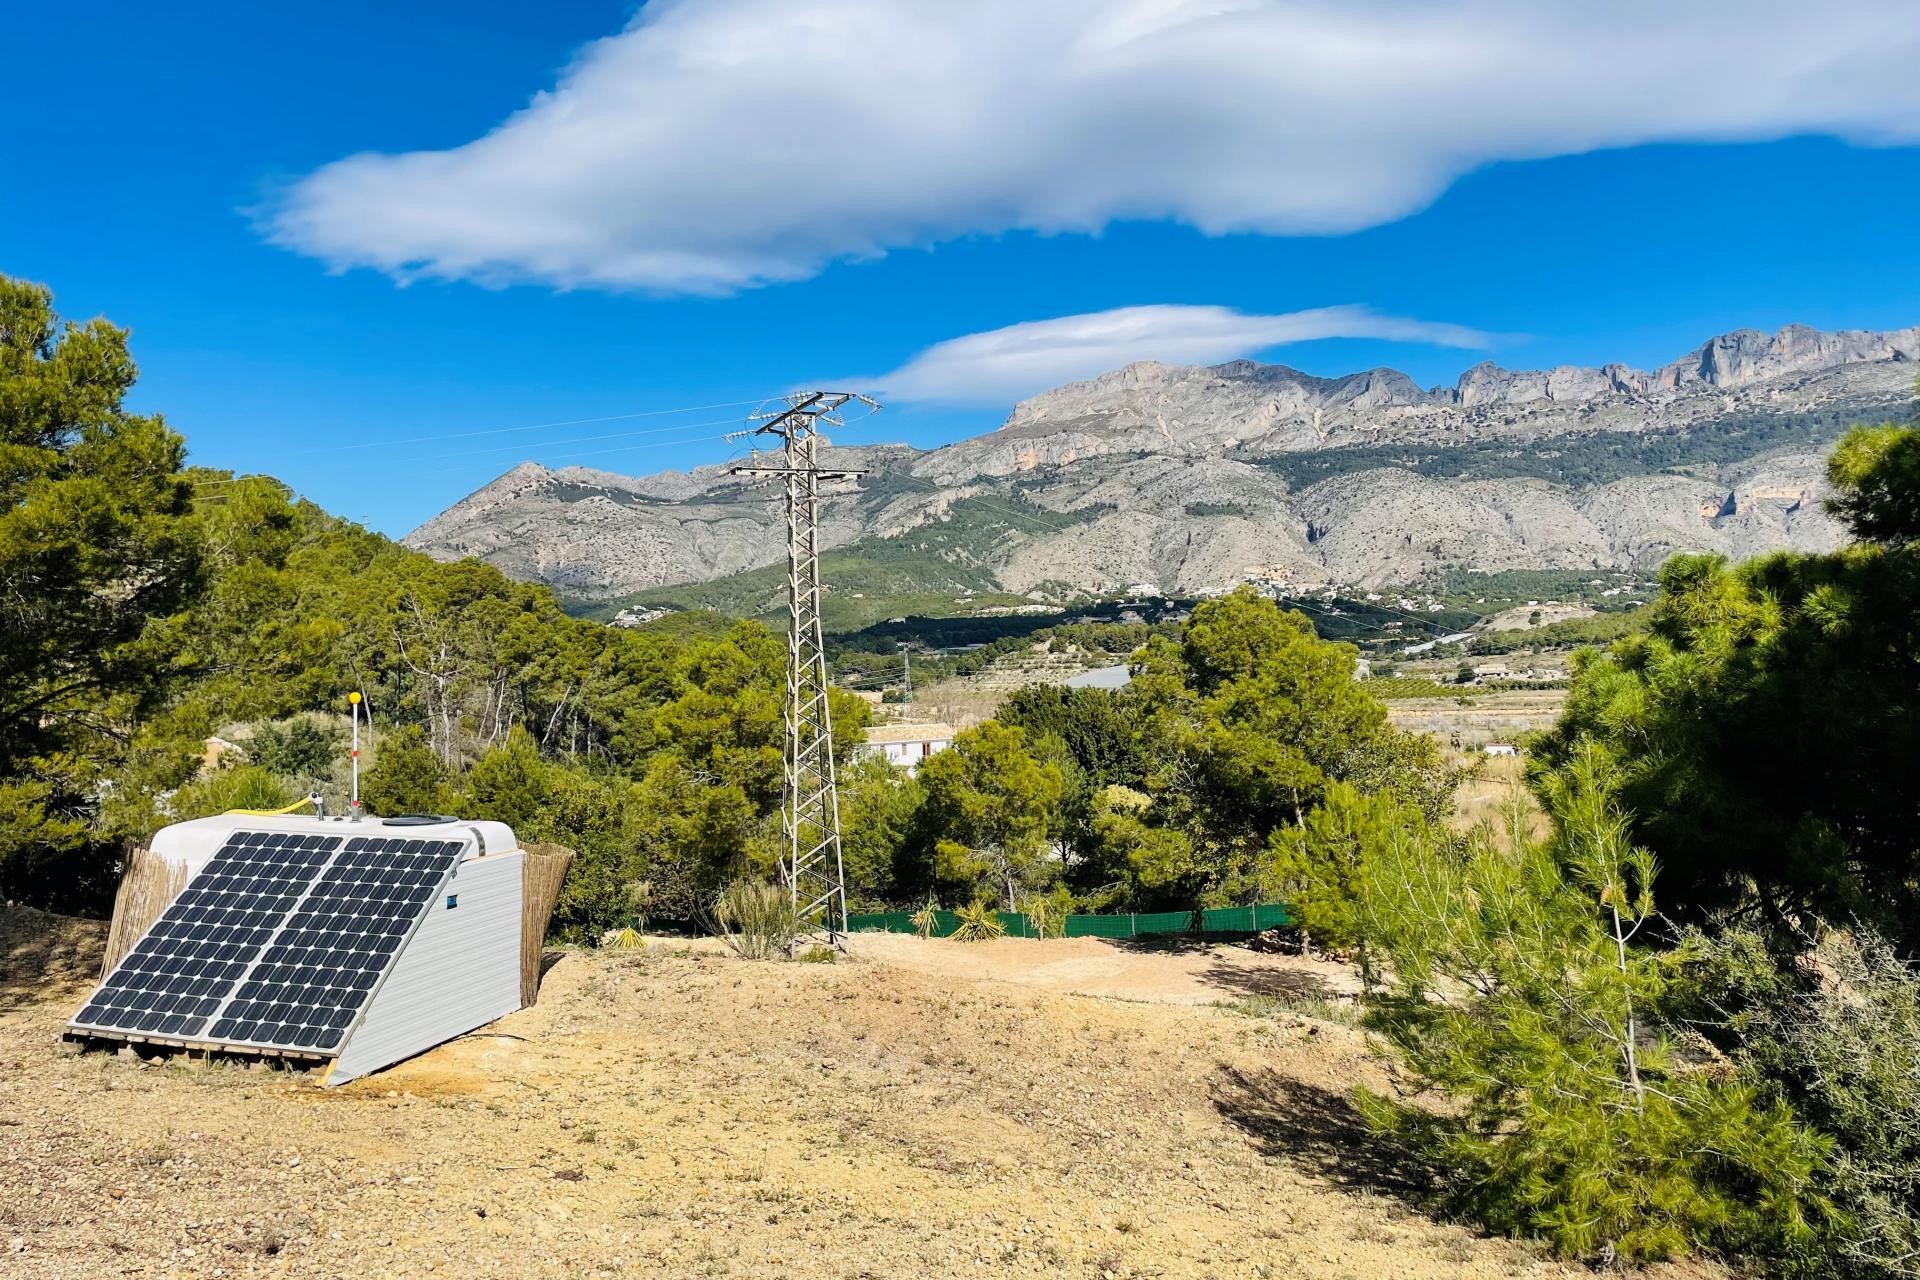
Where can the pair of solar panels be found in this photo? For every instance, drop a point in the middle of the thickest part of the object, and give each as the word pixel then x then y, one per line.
pixel 278 943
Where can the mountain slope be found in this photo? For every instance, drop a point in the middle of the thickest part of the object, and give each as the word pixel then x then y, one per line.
pixel 1192 478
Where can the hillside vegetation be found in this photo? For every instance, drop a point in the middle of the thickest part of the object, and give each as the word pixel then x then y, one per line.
pixel 1587 458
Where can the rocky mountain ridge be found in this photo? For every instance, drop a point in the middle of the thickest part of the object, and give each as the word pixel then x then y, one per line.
pixel 1191 478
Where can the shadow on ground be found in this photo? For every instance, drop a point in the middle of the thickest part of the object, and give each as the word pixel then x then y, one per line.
pixel 1319 1130
pixel 43 955
pixel 1285 985
pixel 1174 944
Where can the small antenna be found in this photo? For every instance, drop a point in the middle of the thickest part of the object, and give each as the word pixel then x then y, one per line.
pixel 353 803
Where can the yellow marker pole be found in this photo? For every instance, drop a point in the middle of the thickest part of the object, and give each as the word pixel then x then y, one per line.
pixel 353 805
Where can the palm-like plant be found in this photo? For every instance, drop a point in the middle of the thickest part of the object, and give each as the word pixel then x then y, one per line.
pixel 978 923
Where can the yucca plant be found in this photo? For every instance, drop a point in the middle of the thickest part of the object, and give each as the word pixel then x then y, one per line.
pixel 1047 915
pixel 757 920
pixel 926 919
pixel 626 939
pixel 978 923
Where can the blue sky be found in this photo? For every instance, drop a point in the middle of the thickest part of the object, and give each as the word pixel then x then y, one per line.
pixel 636 242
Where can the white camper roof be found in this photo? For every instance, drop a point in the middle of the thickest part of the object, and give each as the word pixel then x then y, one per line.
pixel 193 844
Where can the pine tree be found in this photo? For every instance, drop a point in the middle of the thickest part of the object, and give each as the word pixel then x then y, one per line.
pixel 95 554
pixel 1518 985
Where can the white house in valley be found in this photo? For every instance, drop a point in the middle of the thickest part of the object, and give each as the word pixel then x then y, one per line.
pixel 906 744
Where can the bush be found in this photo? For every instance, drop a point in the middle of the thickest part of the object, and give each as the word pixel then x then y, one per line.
pixel 757 920
pixel 247 787
pixel 407 777
pixel 304 747
pixel 1837 1034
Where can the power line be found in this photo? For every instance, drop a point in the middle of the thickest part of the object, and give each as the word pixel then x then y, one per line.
pixel 546 426
pixel 540 448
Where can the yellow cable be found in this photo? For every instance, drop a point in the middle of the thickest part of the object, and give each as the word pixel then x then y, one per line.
pixel 267 813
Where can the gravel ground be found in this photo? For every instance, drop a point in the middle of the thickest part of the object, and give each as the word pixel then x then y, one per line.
pixel 676 1112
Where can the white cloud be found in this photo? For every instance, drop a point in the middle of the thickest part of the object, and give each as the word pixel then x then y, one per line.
pixel 1004 365
pixel 720 144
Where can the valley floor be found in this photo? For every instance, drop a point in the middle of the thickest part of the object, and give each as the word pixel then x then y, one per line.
pixel 923 1109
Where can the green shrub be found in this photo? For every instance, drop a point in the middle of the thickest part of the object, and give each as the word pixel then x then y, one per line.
pixel 407 777
pixel 757 920
pixel 1836 1033
pixel 247 787
pixel 303 747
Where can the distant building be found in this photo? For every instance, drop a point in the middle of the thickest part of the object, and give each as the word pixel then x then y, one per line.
pixel 905 745
pixel 1007 610
pixel 1492 671
pixel 636 616
pixel 1501 749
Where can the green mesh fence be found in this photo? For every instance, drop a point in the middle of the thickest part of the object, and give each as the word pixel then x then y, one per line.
pixel 1253 919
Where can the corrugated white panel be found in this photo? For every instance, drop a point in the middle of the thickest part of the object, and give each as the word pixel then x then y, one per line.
pixel 459 970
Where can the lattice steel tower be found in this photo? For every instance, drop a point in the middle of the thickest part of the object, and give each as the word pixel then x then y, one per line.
pixel 810 821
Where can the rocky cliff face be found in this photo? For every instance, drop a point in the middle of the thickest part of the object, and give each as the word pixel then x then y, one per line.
pixel 1176 476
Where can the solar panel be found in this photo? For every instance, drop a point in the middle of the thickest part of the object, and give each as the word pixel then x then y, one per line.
pixel 277 943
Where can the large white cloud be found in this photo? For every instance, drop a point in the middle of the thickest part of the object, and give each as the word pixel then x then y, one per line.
pixel 720 144
pixel 1004 365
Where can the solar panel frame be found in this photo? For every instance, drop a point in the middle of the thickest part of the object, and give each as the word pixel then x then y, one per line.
pixel 303 954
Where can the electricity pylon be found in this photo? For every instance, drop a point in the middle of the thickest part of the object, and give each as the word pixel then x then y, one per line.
pixel 810 821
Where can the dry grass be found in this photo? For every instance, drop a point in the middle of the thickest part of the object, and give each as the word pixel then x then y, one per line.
pixel 148 884
pixel 1485 795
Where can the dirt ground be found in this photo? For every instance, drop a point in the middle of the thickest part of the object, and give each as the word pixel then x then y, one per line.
pixel 1164 971
pixel 918 1110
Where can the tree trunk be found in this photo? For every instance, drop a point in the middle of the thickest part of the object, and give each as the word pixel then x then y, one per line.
pixel 1632 1048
